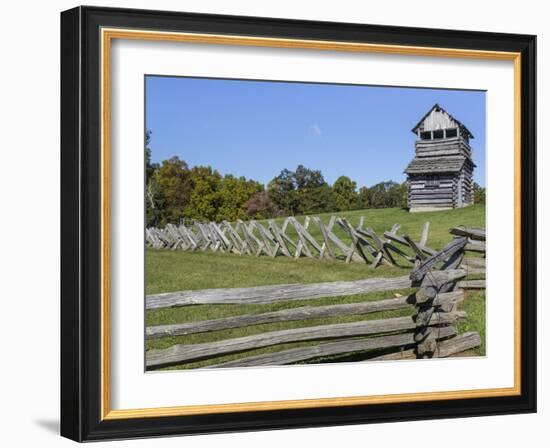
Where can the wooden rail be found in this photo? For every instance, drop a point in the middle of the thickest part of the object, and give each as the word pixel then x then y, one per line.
pixel 185 353
pixel 254 238
pixel 441 278
pixel 283 293
pixel 293 314
pixel 331 348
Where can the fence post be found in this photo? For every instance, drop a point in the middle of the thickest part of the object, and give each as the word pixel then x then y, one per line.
pixel 434 300
pixel 424 335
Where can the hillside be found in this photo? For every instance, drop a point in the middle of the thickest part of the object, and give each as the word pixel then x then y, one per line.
pixel 179 270
pixel 168 270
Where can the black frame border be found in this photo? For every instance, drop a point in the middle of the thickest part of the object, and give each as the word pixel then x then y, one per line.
pixel 81 223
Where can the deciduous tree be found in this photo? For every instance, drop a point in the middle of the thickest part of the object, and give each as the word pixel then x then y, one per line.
pixel 175 188
pixel 300 192
pixel 345 194
pixel 233 195
pixel 261 206
pixel 479 194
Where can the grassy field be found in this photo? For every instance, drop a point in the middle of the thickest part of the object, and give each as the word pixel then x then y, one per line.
pixel 179 270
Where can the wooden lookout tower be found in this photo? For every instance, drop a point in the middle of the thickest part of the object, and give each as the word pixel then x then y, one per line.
pixel 440 175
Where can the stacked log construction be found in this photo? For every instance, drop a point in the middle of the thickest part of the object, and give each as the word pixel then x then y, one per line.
pixel 440 175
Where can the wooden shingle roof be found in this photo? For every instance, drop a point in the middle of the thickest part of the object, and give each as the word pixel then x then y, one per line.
pixel 429 165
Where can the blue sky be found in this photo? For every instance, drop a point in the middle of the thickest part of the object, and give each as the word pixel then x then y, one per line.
pixel 257 128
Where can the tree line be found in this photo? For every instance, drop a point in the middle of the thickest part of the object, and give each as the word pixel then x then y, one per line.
pixel 174 190
pixel 479 194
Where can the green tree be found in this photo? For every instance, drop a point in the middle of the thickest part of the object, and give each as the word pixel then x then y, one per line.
pixel 323 200
pixel 300 192
pixel 173 181
pixel 282 191
pixel 345 194
pixel 363 197
pixel 233 194
pixel 150 167
pixel 386 194
pixel 479 194
pixel 154 204
pixel 205 199
pixel 313 193
pixel 397 195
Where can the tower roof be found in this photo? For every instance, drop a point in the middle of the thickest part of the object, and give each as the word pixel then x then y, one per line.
pixel 436 165
pixel 439 118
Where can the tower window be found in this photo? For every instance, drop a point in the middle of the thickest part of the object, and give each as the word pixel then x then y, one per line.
pixel 438 134
pixel 432 181
pixel 426 135
pixel 451 133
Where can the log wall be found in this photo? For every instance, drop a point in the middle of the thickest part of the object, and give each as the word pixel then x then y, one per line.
pixel 455 188
pixel 421 196
pixel 455 146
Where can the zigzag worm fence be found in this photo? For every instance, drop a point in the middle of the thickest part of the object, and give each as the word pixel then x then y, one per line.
pixel 438 281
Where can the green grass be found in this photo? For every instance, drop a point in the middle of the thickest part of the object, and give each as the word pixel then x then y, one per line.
pixel 474 305
pixel 179 270
pixel 381 220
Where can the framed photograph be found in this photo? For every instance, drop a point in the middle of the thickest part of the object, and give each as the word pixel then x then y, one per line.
pixel 273 223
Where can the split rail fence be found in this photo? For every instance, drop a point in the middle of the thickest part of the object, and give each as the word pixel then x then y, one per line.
pixel 294 239
pixel 430 330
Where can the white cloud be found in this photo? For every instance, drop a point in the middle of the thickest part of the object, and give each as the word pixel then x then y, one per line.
pixel 315 129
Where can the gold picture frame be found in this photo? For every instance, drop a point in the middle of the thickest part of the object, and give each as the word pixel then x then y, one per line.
pixel 108 30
